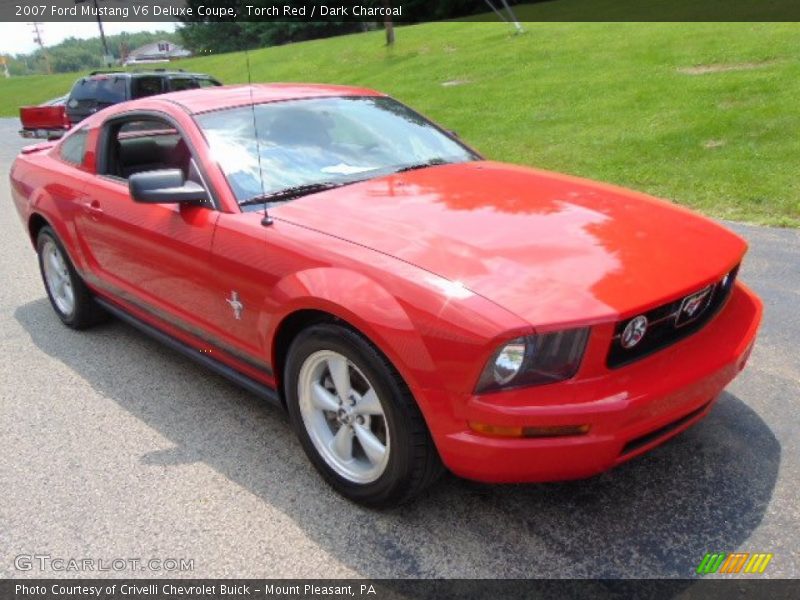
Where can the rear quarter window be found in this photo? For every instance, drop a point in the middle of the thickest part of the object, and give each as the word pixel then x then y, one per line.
pixel 73 148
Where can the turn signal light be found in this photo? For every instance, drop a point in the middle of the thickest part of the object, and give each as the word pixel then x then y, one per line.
pixel 495 430
pixel 528 432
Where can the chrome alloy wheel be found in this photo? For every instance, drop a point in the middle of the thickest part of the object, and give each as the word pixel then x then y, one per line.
pixel 57 277
pixel 343 416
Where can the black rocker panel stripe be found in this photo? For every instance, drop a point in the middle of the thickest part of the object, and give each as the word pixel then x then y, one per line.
pixel 200 334
pixel 207 361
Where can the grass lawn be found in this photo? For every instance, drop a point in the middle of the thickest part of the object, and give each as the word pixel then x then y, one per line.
pixel 705 114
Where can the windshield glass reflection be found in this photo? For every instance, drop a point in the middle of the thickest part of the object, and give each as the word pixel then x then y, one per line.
pixel 269 148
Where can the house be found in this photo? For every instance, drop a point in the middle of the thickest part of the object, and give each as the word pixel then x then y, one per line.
pixel 161 51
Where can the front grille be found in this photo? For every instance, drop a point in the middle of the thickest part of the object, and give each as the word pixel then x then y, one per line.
pixel 670 322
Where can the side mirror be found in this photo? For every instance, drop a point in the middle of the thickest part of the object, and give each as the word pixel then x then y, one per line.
pixel 165 186
pixel 454 133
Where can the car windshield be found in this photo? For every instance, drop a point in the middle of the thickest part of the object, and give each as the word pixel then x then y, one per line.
pixel 302 146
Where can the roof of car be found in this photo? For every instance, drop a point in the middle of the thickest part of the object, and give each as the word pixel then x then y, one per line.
pixel 145 73
pixel 230 96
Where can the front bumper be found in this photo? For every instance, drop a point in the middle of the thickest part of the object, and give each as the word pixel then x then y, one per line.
pixel 630 409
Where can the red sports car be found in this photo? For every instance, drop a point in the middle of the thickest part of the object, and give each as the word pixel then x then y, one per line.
pixel 411 305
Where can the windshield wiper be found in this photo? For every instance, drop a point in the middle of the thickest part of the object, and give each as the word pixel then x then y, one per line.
pixel 293 192
pixel 428 163
pixel 297 191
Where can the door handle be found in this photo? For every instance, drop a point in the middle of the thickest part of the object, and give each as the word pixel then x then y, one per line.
pixel 92 208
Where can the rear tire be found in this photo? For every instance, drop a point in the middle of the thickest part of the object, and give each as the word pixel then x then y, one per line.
pixel 70 298
pixel 356 419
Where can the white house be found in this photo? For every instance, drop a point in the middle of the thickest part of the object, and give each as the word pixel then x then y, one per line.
pixel 161 51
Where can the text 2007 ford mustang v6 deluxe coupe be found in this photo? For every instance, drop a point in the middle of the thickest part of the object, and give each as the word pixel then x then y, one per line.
pixel 410 304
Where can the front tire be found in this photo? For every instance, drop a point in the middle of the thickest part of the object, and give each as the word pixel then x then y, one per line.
pixel 70 298
pixel 356 419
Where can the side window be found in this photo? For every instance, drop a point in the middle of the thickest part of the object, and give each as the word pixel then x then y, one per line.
pixel 73 148
pixel 205 82
pixel 177 84
pixel 138 145
pixel 146 86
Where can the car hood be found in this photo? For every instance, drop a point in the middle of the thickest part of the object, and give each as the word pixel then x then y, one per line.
pixel 553 249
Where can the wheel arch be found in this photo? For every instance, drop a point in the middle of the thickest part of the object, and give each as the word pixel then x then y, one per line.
pixel 285 332
pixel 326 295
pixel 35 224
pixel 39 218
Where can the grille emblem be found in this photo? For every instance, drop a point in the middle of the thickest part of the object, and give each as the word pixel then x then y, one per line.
pixel 634 332
pixel 693 306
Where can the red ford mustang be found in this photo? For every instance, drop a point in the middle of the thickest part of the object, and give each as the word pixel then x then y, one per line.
pixel 410 304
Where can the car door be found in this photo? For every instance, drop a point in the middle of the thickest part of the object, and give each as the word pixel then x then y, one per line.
pixel 155 256
pixel 247 268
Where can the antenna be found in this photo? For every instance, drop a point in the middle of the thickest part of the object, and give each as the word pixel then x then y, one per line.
pixel 267 220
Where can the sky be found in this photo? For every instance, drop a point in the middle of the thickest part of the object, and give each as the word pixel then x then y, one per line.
pixel 17 38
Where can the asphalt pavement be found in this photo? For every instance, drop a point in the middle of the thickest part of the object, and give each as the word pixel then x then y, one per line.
pixel 111 447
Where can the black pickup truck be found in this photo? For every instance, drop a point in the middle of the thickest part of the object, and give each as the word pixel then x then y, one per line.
pixel 104 88
pixel 100 89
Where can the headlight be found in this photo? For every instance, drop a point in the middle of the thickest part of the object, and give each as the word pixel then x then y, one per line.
pixel 534 360
pixel 508 361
